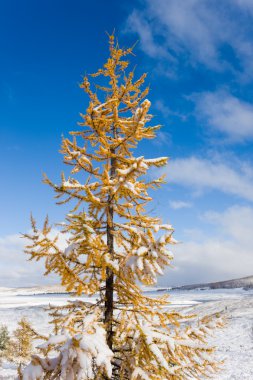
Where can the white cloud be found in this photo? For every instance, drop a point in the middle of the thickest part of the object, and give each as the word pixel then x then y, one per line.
pixel 235 223
pixel 166 111
pixel 226 113
pixel 197 29
pixel 142 28
pixel 176 205
pixel 15 269
pixel 163 108
pixel 200 174
pixel 246 5
pixel 225 254
pixel 162 138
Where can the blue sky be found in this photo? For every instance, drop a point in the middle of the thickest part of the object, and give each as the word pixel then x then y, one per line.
pixel 199 56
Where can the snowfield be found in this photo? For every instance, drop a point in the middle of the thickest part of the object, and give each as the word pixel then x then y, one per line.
pixel 234 342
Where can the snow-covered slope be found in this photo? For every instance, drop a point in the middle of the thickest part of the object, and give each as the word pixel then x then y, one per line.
pixel 49 289
pixel 245 282
pixel 234 342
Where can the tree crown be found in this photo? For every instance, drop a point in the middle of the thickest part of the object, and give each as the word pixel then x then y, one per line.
pixel 113 247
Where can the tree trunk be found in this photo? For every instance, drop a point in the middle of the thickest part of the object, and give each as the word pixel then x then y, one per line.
pixel 109 284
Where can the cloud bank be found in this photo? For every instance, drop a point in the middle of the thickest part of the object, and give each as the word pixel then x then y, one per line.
pixel 225 113
pixel 16 270
pixel 204 174
pixel 225 255
pixel 200 31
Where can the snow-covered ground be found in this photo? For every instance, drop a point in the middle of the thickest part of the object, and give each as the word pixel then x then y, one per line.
pixel 234 342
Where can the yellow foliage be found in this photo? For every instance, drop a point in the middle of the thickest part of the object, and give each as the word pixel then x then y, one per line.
pixel 114 245
pixel 20 345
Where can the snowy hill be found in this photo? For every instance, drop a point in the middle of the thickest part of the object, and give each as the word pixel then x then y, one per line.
pixel 244 282
pixel 233 342
pixel 33 290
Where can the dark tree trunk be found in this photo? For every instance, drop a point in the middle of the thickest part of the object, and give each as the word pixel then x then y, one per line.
pixel 109 284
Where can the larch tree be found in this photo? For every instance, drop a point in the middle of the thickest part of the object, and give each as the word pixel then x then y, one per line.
pixel 114 247
pixel 20 346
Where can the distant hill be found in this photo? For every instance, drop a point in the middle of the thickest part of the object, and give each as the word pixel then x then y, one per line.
pixel 245 282
pixel 33 290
